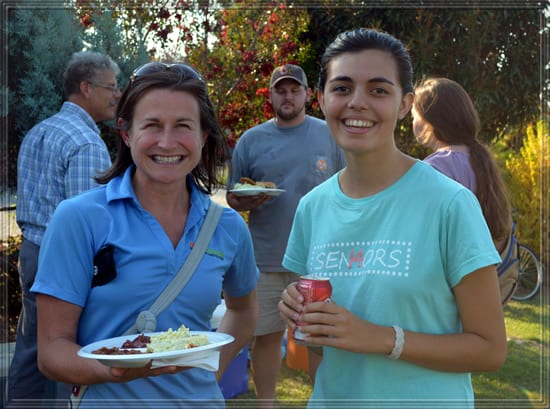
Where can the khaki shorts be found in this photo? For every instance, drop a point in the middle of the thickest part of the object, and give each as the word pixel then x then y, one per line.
pixel 269 289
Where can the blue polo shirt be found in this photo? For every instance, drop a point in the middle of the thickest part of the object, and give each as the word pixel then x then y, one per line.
pixel 146 261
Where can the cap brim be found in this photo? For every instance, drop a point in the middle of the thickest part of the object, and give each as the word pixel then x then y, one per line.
pixel 288 77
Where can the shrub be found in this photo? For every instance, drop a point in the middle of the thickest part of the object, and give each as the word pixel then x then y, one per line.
pixel 9 287
pixel 526 173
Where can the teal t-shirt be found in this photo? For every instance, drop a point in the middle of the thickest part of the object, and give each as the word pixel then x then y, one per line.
pixel 393 259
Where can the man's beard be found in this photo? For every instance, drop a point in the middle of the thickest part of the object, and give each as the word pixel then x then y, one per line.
pixel 288 115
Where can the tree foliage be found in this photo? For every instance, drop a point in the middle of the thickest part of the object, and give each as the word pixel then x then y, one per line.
pixel 250 42
pixel 527 174
pixel 32 71
pixel 235 46
pixel 492 50
pixel 132 32
pixel 36 61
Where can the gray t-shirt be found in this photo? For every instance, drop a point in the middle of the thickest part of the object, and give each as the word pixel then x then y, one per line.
pixel 296 159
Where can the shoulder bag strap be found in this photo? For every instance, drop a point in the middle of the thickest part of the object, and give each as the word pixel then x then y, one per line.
pixel 146 320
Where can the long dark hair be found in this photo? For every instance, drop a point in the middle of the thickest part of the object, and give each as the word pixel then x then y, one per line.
pixel 206 174
pixel 448 108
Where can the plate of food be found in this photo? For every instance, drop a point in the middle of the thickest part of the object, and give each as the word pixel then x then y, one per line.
pixel 251 187
pixel 173 347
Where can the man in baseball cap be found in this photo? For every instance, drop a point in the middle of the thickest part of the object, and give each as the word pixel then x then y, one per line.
pixel 296 152
pixel 288 71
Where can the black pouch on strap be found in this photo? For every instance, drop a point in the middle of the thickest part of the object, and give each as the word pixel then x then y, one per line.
pixel 104 266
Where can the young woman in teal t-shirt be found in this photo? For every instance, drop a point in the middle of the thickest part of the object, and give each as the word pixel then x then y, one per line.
pixel 416 305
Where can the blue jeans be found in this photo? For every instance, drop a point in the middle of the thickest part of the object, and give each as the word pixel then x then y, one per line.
pixel 25 381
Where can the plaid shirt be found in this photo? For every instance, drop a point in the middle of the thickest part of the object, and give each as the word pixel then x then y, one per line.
pixel 58 159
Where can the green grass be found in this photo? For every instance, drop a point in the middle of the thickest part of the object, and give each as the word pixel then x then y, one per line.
pixel 521 383
pixel 523 380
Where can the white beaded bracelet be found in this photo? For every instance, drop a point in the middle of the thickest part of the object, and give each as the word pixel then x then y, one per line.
pixel 399 343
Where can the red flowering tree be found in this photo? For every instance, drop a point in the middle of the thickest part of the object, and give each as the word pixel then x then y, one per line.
pixel 235 47
pixel 248 42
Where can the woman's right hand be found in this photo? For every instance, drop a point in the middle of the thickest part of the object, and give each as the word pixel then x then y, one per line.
pixel 291 305
pixel 122 375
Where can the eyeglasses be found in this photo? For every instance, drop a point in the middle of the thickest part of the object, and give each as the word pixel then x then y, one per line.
pixel 153 67
pixel 111 88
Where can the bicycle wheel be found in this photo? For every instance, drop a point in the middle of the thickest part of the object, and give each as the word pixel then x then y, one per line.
pixel 530 274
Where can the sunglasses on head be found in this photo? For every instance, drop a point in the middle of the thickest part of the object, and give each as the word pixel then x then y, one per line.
pixel 154 67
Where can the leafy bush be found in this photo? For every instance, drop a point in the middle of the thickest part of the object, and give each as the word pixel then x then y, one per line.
pixel 9 287
pixel 526 171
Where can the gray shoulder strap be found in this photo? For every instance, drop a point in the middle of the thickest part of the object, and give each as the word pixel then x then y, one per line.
pixel 146 320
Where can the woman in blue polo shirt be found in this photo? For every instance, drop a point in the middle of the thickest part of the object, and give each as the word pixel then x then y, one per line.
pixel 149 211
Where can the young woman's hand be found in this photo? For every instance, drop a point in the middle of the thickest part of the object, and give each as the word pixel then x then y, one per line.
pixel 291 305
pixel 328 324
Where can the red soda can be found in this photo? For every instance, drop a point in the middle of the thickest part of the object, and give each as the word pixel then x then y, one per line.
pixel 313 289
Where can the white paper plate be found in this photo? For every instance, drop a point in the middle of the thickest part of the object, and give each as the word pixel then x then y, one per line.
pixel 253 191
pixel 181 357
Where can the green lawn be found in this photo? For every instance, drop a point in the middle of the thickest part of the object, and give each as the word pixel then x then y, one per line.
pixel 523 381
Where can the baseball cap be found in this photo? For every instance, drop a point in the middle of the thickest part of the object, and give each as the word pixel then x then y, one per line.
pixel 288 71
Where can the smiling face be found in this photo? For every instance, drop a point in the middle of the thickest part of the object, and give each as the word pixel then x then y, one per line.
pixel 362 100
pixel 165 137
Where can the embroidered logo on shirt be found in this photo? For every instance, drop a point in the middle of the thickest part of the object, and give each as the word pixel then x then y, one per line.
pixel 212 252
pixel 321 164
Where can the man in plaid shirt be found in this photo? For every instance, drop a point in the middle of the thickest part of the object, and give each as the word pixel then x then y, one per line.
pixel 58 158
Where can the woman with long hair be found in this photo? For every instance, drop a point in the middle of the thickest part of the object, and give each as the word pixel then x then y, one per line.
pixel 446 121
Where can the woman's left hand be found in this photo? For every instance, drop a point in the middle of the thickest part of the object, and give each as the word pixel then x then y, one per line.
pixel 334 326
